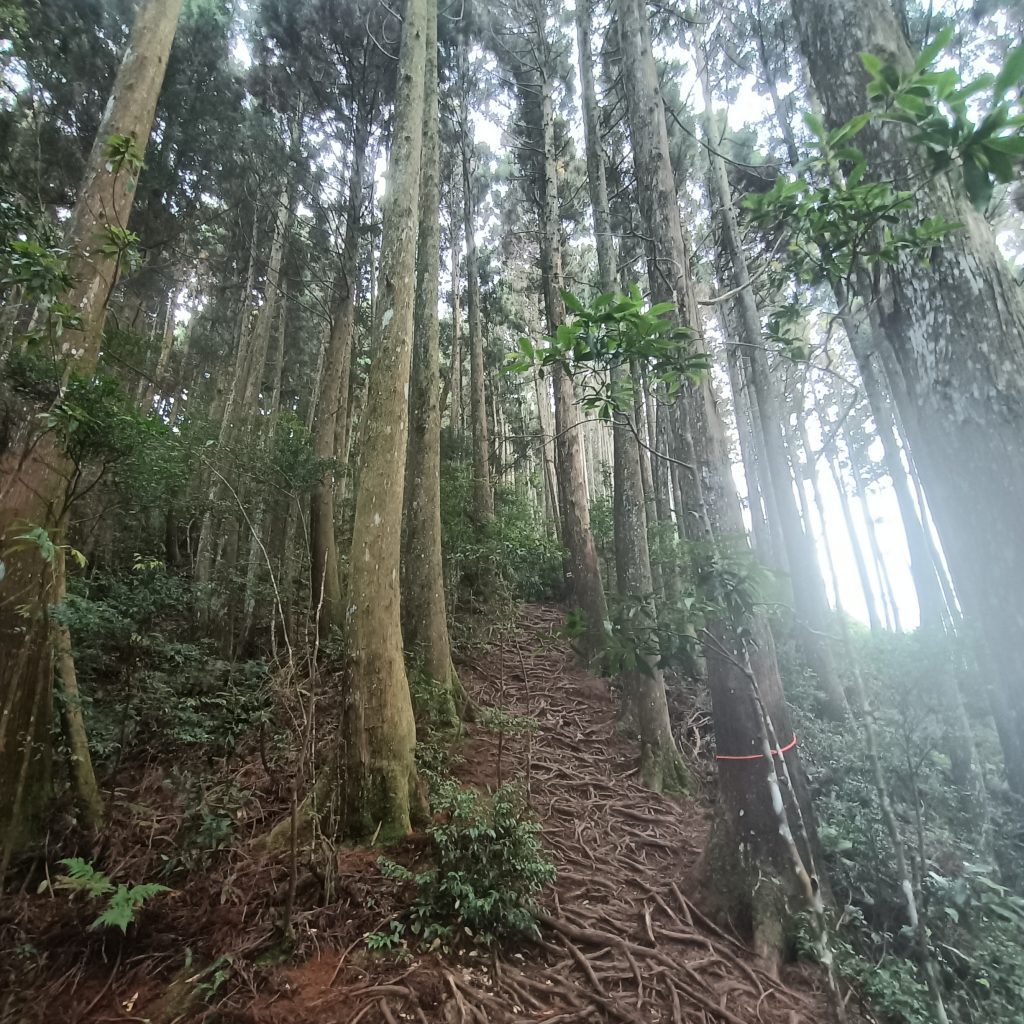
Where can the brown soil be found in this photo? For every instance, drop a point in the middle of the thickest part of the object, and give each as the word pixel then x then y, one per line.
pixel 622 939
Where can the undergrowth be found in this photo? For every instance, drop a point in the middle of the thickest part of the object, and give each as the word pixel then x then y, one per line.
pixel 968 894
pixel 487 867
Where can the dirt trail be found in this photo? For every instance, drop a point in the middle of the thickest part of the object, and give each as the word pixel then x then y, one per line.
pixel 621 940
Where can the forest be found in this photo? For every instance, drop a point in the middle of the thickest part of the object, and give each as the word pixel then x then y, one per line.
pixel 511 511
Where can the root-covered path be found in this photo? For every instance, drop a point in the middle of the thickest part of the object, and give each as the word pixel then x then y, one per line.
pixel 622 940
pixel 621 936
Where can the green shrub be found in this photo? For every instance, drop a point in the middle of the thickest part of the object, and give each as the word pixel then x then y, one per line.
pixel 488 867
pixel 138 683
pixel 975 922
pixel 510 558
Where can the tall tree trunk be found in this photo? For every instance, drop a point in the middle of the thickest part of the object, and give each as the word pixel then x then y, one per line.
pixel 889 606
pixel 34 472
pixel 377 788
pixel 756 866
pixel 458 414
pixel 547 455
pixel 424 615
pixel 809 471
pixel 587 588
pixel 661 765
pixel 956 331
pixel 923 569
pixel 809 600
pixel 856 548
pixel 166 347
pixel 752 473
pixel 483 497
pixel 332 408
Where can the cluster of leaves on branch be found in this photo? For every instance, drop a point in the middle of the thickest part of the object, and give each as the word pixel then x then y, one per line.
pixel 613 331
pixel 834 216
pixel 936 105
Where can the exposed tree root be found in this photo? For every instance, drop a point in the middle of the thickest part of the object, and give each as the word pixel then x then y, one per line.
pixel 621 940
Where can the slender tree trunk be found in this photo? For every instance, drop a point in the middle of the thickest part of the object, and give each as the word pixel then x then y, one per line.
pixel 756 867
pixel 458 414
pixel 809 600
pixel 166 348
pixel 661 765
pixel 424 614
pixel 377 788
pixel 332 408
pixel 856 548
pixel 741 407
pixel 810 471
pixel 930 599
pixel 585 581
pixel 34 472
pixel 483 497
pixel 545 418
pixel 86 788
pixel 892 616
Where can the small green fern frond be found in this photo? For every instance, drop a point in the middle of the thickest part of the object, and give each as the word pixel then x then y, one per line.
pixel 121 907
pixel 83 877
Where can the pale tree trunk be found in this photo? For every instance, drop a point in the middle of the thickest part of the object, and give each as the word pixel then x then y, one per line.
pixel 241 399
pixel 34 472
pixel 483 497
pixel 246 425
pixel 376 788
pixel 661 764
pixel 809 600
pixel 166 347
pixel 809 471
pixel 646 437
pixel 262 521
pixel 927 585
pixel 888 598
pixel 956 331
pixel 455 384
pixel 752 473
pixel 587 589
pixel 856 548
pixel 545 418
pixel 86 789
pixel 424 614
pixel 224 404
pixel 756 866
pixel 332 407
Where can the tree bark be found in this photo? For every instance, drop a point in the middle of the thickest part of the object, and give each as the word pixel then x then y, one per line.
pixel 424 614
pixel 809 599
pixel 332 407
pixel 661 764
pixel 751 867
pixel 34 472
pixel 377 788
pixel 585 581
pixel 483 496
pixel 956 331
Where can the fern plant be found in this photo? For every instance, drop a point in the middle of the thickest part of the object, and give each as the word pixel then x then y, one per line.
pixel 123 900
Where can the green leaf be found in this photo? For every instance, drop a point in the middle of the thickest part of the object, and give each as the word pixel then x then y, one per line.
pixel 572 303
pixel 942 39
pixel 815 125
pixel 978 184
pixel 848 130
pixel 1011 74
pixel 872 64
